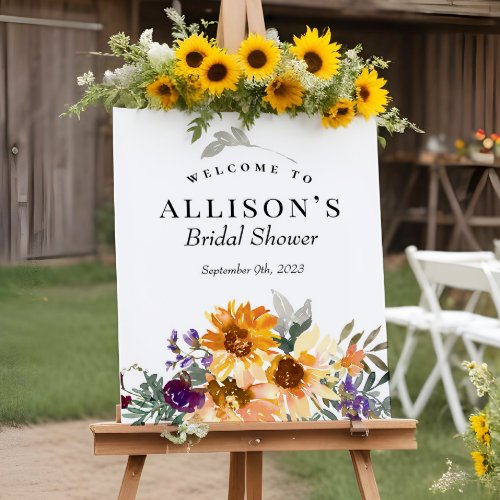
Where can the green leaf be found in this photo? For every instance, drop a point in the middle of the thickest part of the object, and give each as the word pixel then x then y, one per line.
pixel 371 337
pixel 346 331
pixel 369 382
pixel 366 368
pixel 140 411
pixel 240 136
pixel 358 380
pixel 286 345
pixel 197 375
pixel 382 141
pixel 384 379
pixel 178 419
pixel 296 329
pixel 329 414
pixel 377 361
pixel 379 347
pixel 196 134
pixel 213 149
pixel 355 338
pixel 226 138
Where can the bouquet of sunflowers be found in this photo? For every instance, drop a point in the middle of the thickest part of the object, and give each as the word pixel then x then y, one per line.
pixel 312 76
pixel 482 438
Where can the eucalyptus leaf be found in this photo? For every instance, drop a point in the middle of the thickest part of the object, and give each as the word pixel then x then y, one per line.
pixel 355 338
pixel 213 149
pixel 358 380
pixel 366 368
pixel 226 138
pixel 377 361
pixel 346 331
pixel 329 414
pixel 282 307
pixel 371 337
pixel 384 379
pixel 303 314
pixel 240 136
pixel 369 382
pixel 197 375
pixel 379 347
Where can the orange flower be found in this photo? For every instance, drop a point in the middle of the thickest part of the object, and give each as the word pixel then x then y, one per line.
pixel 241 341
pixel 351 362
pixel 226 402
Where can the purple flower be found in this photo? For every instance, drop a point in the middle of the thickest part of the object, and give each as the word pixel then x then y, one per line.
pixel 173 337
pixel 355 408
pixel 192 338
pixel 169 364
pixel 207 360
pixel 126 400
pixel 187 362
pixel 349 386
pixel 179 394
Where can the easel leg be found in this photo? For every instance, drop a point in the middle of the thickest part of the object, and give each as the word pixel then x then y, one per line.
pixel 254 475
pixel 131 478
pixel 236 490
pixel 365 477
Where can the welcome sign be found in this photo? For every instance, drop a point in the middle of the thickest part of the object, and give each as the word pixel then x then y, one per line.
pixel 250 284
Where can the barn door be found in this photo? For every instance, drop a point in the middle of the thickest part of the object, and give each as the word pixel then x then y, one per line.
pixel 49 162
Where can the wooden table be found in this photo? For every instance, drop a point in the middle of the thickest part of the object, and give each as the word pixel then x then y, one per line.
pixel 462 218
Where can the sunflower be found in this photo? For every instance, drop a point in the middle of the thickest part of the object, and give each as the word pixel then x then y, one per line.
pixel 339 115
pixel 284 92
pixel 242 339
pixel 218 72
pixel 258 56
pixel 371 98
pixel 298 375
pixel 481 429
pixel 321 56
pixel 225 401
pixel 190 54
pixel 480 463
pixel 163 89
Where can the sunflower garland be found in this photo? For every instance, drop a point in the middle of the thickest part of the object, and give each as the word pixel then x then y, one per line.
pixel 314 75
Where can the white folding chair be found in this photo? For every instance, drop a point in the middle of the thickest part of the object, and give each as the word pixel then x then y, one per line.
pixel 434 271
pixel 475 337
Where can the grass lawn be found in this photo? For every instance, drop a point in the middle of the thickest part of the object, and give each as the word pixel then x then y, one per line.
pixel 58 360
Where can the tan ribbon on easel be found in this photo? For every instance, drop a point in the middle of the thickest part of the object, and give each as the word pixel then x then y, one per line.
pixel 237 19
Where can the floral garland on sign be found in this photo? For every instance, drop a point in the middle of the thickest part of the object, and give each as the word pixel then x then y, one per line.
pixel 312 76
pixel 482 439
pixel 251 365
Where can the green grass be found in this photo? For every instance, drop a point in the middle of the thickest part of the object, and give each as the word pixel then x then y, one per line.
pixel 58 360
pixel 58 343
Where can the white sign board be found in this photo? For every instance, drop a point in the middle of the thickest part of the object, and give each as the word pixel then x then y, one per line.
pixel 250 268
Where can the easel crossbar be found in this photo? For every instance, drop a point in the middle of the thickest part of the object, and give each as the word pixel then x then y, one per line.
pixel 395 434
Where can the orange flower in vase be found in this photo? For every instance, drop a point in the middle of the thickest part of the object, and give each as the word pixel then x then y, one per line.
pixel 241 340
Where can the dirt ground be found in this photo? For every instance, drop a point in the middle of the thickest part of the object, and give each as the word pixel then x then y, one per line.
pixel 56 462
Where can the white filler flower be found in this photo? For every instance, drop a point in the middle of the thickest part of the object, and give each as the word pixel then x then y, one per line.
pixel 146 39
pixel 159 54
pixel 85 79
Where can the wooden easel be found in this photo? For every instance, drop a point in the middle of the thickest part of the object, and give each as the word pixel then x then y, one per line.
pixel 246 444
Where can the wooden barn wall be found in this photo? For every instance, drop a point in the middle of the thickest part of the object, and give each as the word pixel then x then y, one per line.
pixel 48 190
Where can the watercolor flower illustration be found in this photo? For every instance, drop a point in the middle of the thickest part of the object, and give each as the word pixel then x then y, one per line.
pixel 298 375
pixel 240 341
pixel 253 365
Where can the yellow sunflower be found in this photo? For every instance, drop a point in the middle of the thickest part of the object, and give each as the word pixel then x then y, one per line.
pixel 190 54
pixel 480 463
pixel 298 375
pixel 284 92
pixel 218 72
pixel 371 98
pixel 258 56
pixel 321 56
pixel 241 340
pixel 481 429
pixel 163 89
pixel 339 115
